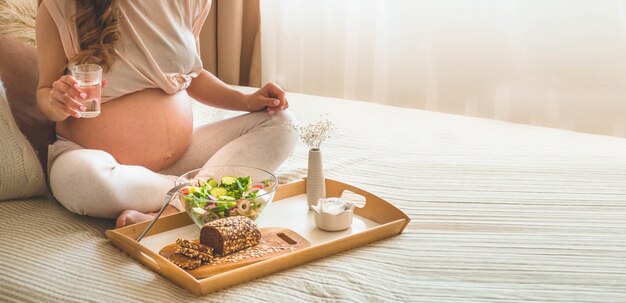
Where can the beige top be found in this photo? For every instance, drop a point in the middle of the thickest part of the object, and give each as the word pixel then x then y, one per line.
pixel 158 45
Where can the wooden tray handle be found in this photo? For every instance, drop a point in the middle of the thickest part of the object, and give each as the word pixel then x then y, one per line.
pixel 136 250
pixel 147 260
pixel 151 259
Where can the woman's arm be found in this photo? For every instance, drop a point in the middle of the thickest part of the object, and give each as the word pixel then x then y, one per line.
pixel 208 89
pixel 56 92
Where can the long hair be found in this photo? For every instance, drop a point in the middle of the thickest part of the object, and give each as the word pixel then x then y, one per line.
pixel 98 27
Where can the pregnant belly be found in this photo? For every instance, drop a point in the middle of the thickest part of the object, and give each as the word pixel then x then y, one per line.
pixel 148 128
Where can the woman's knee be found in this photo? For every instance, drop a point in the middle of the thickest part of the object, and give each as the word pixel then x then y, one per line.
pixel 283 137
pixel 78 181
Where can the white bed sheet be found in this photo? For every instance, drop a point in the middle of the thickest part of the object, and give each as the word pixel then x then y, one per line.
pixel 500 213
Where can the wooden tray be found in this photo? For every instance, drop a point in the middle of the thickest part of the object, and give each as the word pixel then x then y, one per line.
pixel 377 220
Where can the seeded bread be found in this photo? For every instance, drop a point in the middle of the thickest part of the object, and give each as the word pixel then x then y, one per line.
pixel 194 254
pixel 194 245
pixel 185 262
pixel 230 234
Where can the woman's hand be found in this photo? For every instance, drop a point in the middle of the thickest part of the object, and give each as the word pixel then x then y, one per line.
pixel 270 97
pixel 209 90
pixel 64 97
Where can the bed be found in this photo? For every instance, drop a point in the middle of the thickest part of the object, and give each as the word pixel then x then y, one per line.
pixel 499 212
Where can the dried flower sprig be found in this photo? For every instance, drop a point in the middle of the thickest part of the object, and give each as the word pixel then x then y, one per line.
pixel 314 134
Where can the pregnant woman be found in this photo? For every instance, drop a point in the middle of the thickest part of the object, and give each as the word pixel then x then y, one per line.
pixel 121 163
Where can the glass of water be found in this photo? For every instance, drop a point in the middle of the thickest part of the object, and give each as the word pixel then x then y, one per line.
pixel 89 77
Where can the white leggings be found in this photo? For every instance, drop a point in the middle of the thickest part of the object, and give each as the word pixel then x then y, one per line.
pixel 91 182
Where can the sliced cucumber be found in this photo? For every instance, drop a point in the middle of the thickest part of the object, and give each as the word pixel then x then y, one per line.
pixel 212 182
pixel 228 180
pixel 218 191
pixel 205 184
pixel 226 198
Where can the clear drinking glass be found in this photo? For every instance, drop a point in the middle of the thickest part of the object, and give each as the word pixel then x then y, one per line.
pixel 89 77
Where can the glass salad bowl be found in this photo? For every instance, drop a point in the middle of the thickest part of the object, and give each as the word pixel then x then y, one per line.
pixel 217 192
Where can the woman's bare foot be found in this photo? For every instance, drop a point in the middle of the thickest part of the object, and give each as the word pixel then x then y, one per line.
pixel 130 216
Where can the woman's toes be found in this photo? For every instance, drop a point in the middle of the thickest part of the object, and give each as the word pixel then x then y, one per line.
pixel 130 216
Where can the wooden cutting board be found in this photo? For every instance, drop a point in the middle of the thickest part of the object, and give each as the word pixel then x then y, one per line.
pixel 274 242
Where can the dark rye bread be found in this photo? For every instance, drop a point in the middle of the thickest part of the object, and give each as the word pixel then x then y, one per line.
pixel 194 245
pixel 230 234
pixel 194 254
pixel 184 262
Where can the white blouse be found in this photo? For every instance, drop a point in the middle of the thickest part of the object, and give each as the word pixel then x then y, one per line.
pixel 158 45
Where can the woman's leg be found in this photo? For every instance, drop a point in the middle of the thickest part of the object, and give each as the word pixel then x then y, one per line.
pixel 91 182
pixel 255 139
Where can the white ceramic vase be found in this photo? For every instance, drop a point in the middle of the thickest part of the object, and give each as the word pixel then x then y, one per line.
pixel 315 186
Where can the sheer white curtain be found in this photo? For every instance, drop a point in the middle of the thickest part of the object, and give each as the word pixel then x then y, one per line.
pixel 557 63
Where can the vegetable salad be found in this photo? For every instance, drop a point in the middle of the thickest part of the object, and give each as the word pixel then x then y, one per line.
pixel 231 196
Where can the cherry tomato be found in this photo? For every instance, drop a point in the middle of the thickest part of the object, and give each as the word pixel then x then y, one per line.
pixel 185 191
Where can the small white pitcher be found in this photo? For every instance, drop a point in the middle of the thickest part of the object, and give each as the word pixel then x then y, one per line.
pixel 333 221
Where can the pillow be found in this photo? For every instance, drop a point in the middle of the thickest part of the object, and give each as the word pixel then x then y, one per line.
pixel 17 19
pixel 21 176
pixel 18 71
